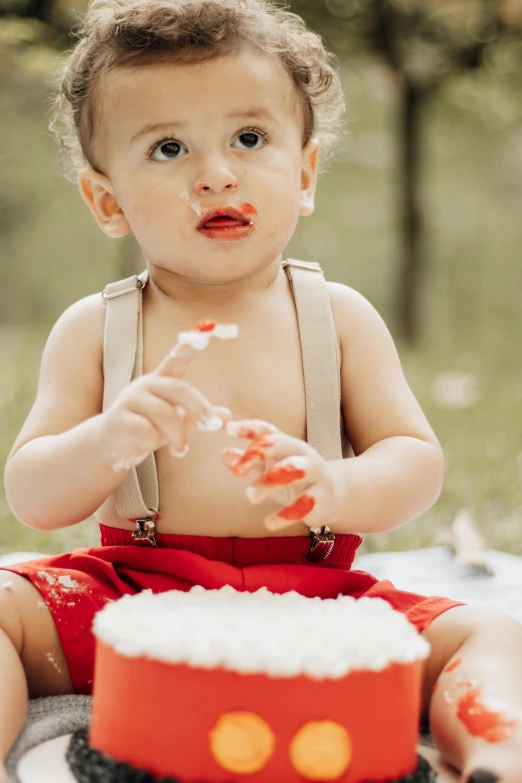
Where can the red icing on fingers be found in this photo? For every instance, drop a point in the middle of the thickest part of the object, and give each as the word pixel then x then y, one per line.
pixel 205 326
pixel 482 721
pixel 247 433
pixel 454 665
pixel 299 509
pixel 280 475
pixel 436 685
pixel 256 451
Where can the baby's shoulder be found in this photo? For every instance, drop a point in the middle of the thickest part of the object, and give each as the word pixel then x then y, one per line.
pixel 77 335
pixel 352 312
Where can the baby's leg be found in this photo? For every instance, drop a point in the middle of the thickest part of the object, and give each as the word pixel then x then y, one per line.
pixel 473 692
pixel 32 662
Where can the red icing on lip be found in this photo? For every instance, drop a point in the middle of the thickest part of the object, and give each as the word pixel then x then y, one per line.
pixel 206 326
pixel 453 665
pixel 280 475
pixel 247 209
pixel 481 721
pixel 228 223
pixel 299 509
pixel 228 231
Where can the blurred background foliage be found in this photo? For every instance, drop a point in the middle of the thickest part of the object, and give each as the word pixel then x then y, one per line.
pixel 421 212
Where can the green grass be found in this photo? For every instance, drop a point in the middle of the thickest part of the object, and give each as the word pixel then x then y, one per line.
pixel 470 299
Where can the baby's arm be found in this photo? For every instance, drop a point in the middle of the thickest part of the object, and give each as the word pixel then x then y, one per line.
pixel 398 470
pixel 69 457
pixel 54 476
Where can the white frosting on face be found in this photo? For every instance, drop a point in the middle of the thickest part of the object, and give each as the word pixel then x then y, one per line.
pixel 280 635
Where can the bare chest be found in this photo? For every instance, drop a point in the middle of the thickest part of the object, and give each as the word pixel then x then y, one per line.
pixel 259 375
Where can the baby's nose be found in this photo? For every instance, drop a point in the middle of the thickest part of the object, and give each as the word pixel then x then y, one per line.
pixel 216 184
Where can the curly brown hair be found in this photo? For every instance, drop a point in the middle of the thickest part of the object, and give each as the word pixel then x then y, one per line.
pixel 124 33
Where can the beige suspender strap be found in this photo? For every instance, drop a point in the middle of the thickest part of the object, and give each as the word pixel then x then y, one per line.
pixel 137 497
pixel 123 362
pixel 320 357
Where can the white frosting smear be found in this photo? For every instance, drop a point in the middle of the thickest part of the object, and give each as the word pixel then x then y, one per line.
pixel 200 340
pixel 280 635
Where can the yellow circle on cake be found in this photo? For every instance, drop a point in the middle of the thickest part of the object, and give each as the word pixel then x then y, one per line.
pixel 321 750
pixel 242 742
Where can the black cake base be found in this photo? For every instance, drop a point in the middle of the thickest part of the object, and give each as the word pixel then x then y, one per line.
pixel 90 766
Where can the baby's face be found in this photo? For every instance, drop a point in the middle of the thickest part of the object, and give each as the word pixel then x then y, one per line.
pixel 177 142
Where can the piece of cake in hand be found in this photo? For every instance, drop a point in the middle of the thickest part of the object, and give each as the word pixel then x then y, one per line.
pixel 218 686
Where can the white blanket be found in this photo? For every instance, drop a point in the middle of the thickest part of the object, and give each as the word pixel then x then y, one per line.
pixel 433 572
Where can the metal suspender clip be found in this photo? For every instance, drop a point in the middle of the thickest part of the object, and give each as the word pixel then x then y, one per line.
pixel 139 284
pixel 146 529
pixel 313 266
pixel 321 544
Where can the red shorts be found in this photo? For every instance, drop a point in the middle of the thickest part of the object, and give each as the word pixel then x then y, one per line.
pixel 78 584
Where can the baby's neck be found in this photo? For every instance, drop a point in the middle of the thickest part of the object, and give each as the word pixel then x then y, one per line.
pixel 219 297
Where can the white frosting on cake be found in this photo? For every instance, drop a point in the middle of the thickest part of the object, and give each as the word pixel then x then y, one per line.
pixel 281 635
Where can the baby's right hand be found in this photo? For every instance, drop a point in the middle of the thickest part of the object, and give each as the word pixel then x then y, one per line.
pixel 156 410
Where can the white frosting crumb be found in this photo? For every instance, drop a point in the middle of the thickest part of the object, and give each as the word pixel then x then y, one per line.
pixel 119 464
pixel 280 635
pixel 200 340
pixel 6 585
pixel 212 423
pixel 181 453
pixel 66 581
pixel 52 660
pixel 46 576
pixel 296 461
pixel 226 331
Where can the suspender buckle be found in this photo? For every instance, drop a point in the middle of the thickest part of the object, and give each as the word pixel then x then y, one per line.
pixel 321 544
pixel 312 266
pixel 146 529
pixel 138 285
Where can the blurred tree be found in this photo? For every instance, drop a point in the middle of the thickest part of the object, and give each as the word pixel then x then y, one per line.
pixel 425 43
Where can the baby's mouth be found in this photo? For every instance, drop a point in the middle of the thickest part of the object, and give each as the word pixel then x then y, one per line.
pixel 227 223
pixel 226 217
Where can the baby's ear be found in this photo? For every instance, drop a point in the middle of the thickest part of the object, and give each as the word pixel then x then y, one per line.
pixel 98 194
pixel 309 172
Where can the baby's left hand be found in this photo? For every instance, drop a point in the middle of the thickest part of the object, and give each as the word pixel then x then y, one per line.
pixel 287 470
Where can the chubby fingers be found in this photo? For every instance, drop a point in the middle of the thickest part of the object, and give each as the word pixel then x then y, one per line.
pixel 269 445
pixel 283 480
pixel 305 508
pixel 176 362
pixel 190 343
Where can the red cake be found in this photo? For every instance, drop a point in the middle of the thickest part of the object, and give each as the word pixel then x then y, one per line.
pixel 218 686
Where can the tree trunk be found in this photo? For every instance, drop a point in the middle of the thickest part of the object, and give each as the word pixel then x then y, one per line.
pixel 411 217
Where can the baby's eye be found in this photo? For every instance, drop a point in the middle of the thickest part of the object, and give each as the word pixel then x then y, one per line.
pixel 250 140
pixel 169 149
